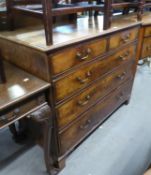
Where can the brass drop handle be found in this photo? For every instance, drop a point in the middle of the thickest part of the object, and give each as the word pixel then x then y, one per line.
pixel 86 125
pixel 83 81
pixel 121 77
pixel 126 38
pixel 81 57
pixel 15 113
pixel 124 56
pixel 148 48
pixel 85 102
pixel 11 118
pixel 3 118
pixel 120 97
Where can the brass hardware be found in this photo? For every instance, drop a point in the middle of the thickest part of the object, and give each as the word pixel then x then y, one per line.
pixel 148 48
pixel 6 118
pixel 11 118
pixel 123 57
pixel 82 81
pixel 83 103
pixel 127 53
pixel 3 118
pixel 16 111
pixel 86 125
pixel 15 114
pixel 89 51
pixel 126 38
pixel 81 57
pixel 121 77
pixel 120 96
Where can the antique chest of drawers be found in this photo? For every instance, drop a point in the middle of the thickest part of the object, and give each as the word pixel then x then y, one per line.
pixel 91 85
pixel 145 37
pixel 146 44
pixel 89 79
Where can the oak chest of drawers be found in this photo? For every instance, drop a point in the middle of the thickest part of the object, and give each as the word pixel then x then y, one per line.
pixel 89 79
pixel 91 85
pixel 145 41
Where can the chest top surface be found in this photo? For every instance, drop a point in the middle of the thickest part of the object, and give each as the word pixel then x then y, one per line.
pixel 67 33
pixel 19 86
pixel 146 19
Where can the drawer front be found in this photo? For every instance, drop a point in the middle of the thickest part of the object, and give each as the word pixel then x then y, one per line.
pixel 73 108
pixel 90 120
pixel 81 78
pixel 146 51
pixel 122 38
pixel 69 58
pixel 21 111
pixel 147 31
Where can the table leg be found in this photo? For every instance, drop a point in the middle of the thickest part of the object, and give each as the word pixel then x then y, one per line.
pixel 43 118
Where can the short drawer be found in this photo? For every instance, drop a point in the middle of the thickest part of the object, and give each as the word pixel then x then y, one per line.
pixel 74 107
pixel 68 58
pixel 21 111
pixel 147 31
pixel 146 51
pixel 91 119
pixel 122 38
pixel 79 79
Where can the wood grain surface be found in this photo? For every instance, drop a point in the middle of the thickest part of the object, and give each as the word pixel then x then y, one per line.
pixel 20 85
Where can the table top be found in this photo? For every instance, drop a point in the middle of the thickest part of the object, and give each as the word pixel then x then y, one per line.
pixel 20 85
pixel 65 33
pixel 146 19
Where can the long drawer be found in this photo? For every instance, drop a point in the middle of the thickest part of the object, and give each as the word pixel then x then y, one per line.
pixel 146 51
pixel 123 38
pixel 79 79
pixel 91 119
pixel 68 58
pixel 73 108
pixel 21 110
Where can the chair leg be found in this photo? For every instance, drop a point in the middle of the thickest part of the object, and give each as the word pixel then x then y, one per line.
pixel 140 10
pixel 90 12
pixel 107 14
pixel 48 21
pixel 10 15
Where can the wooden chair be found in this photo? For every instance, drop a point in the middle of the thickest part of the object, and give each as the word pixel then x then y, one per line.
pixel 110 6
pixel 44 10
pixel 146 3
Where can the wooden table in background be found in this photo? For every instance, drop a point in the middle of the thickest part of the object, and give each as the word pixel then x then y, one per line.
pixel 24 96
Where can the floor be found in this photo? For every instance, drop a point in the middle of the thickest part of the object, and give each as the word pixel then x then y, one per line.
pixel 121 146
